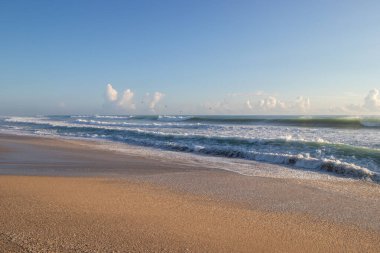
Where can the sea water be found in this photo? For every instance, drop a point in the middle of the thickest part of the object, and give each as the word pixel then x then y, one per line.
pixel 338 145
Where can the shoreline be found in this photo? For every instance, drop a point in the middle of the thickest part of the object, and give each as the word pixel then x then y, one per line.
pixel 65 183
pixel 300 151
pixel 262 168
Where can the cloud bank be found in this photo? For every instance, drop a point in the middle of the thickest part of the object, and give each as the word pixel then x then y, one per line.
pixel 126 101
pixel 256 103
pixel 111 93
pixel 238 103
pixel 370 105
pixel 273 105
pixel 157 96
pixel 372 100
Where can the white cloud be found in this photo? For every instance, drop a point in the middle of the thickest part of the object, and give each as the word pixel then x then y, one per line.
pixel 111 93
pixel 157 97
pixel 302 103
pixel 371 104
pixel 126 101
pixel 372 100
pixel 271 103
pixel 113 101
pixel 261 102
pixel 256 103
pixel 248 103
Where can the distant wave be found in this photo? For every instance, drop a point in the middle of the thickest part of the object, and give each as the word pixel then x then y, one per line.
pixel 338 122
pixel 174 118
pixel 140 124
pixel 112 117
pixel 298 121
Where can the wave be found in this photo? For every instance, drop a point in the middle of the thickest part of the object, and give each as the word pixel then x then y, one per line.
pixel 297 121
pixel 332 122
pixel 113 117
pixel 245 149
pixel 317 154
pixel 329 165
pixel 174 118
pixel 81 116
pixel 31 120
pixel 142 124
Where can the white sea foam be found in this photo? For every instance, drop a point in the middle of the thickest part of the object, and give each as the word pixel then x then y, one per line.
pixel 113 117
pixel 243 167
pixel 173 118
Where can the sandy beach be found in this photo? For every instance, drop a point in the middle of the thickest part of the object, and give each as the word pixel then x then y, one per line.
pixel 189 126
pixel 70 196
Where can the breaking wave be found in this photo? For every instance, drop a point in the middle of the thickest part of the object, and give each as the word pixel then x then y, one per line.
pixel 190 134
pixel 310 121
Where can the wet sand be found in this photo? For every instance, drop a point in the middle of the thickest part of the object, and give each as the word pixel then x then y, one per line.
pixel 67 196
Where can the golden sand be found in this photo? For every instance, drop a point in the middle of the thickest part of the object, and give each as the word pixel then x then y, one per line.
pixel 152 206
pixel 92 214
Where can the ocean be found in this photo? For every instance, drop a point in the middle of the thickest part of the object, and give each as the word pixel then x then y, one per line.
pixel 341 146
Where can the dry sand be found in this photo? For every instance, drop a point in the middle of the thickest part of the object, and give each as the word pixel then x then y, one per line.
pixel 78 200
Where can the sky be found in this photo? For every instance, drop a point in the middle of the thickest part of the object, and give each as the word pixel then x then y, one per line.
pixel 189 57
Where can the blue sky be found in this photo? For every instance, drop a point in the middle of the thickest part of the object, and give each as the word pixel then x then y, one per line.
pixel 194 57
